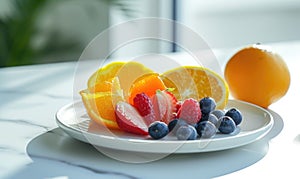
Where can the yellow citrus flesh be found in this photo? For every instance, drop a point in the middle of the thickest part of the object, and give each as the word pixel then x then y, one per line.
pixel 100 106
pixel 105 73
pixel 197 82
pixel 127 72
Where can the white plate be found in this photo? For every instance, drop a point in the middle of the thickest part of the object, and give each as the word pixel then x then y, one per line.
pixel 256 123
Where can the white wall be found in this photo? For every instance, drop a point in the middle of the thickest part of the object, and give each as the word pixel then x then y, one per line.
pixel 142 9
pixel 234 22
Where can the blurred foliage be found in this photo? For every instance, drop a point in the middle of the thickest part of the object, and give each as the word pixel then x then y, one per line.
pixel 18 29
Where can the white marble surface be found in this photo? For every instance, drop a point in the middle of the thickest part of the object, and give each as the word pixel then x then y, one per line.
pixel 32 146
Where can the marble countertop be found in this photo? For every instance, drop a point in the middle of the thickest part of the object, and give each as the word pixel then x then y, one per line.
pixel 33 146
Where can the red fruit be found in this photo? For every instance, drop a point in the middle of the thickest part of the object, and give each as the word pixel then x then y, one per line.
pixel 160 105
pixel 129 119
pixel 178 106
pixel 164 105
pixel 144 106
pixel 171 106
pixel 190 111
pixel 171 96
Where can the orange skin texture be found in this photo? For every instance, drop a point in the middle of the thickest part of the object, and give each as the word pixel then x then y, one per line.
pixel 257 75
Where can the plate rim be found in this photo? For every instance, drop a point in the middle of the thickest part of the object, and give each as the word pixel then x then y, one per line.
pixel 80 135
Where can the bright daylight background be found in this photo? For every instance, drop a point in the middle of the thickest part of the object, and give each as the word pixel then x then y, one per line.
pixel 46 31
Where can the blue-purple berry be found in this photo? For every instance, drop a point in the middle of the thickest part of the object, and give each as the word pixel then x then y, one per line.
pixel 206 129
pixel 235 114
pixel 207 104
pixel 226 125
pixel 158 130
pixel 186 132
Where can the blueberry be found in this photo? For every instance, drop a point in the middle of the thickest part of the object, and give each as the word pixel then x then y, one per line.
pixel 235 114
pixel 218 113
pixel 204 116
pixel 186 132
pixel 226 125
pixel 206 129
pixel 175 124
pixel 172 124
pixel 158 130
pixel 213 119
pixel 207 105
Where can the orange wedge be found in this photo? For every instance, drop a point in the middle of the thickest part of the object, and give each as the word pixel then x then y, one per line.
pixel 196 82
pixel 127 72
pixel 105 73
pixel 148 84
pixel 100 106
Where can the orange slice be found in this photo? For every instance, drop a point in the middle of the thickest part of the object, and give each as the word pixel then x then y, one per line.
pixel 102 74
pixel 148 84
pixel 127 72
pixel 196 82
pixel 100 106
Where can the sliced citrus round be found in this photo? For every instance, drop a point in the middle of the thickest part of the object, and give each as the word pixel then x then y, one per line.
pixel 102 86
pixel 148 84
pixel 196 82
pixel 127 72
pixel 104 73
pixel 100 106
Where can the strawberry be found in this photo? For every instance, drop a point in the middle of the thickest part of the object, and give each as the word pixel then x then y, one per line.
pixel 129 119
pixel 171 96
pixel 160 105
pixel 171 108
pixel 164 105
pixel 178 106
pixel 190 111
pixel 144 106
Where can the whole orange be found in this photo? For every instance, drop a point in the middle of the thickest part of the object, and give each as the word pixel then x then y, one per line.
pixel 258 75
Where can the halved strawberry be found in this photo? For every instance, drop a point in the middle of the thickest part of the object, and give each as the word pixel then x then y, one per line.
pixel 144 106
pixel 190 111
pixel 164 105
pixel 171 106
pixel 129 119
pixel 178 106
pixel 160 105
pixel 171 96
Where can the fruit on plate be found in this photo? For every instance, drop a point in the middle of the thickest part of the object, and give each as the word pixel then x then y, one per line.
pixel 106 87
pixel 257 75
pixel 190 111
pixel 100 105
pixel 164 106
pixel 196 82
pixel 175 124
pixel 226 125
pixel 186 132
pixel 148 84
pixel 127 72
pixel 206 129
pixel 235 115
pixel 158 130
pixel 129 119
pixel 129 97
pixel 207 104
pixel 104 73
pixel 144 106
